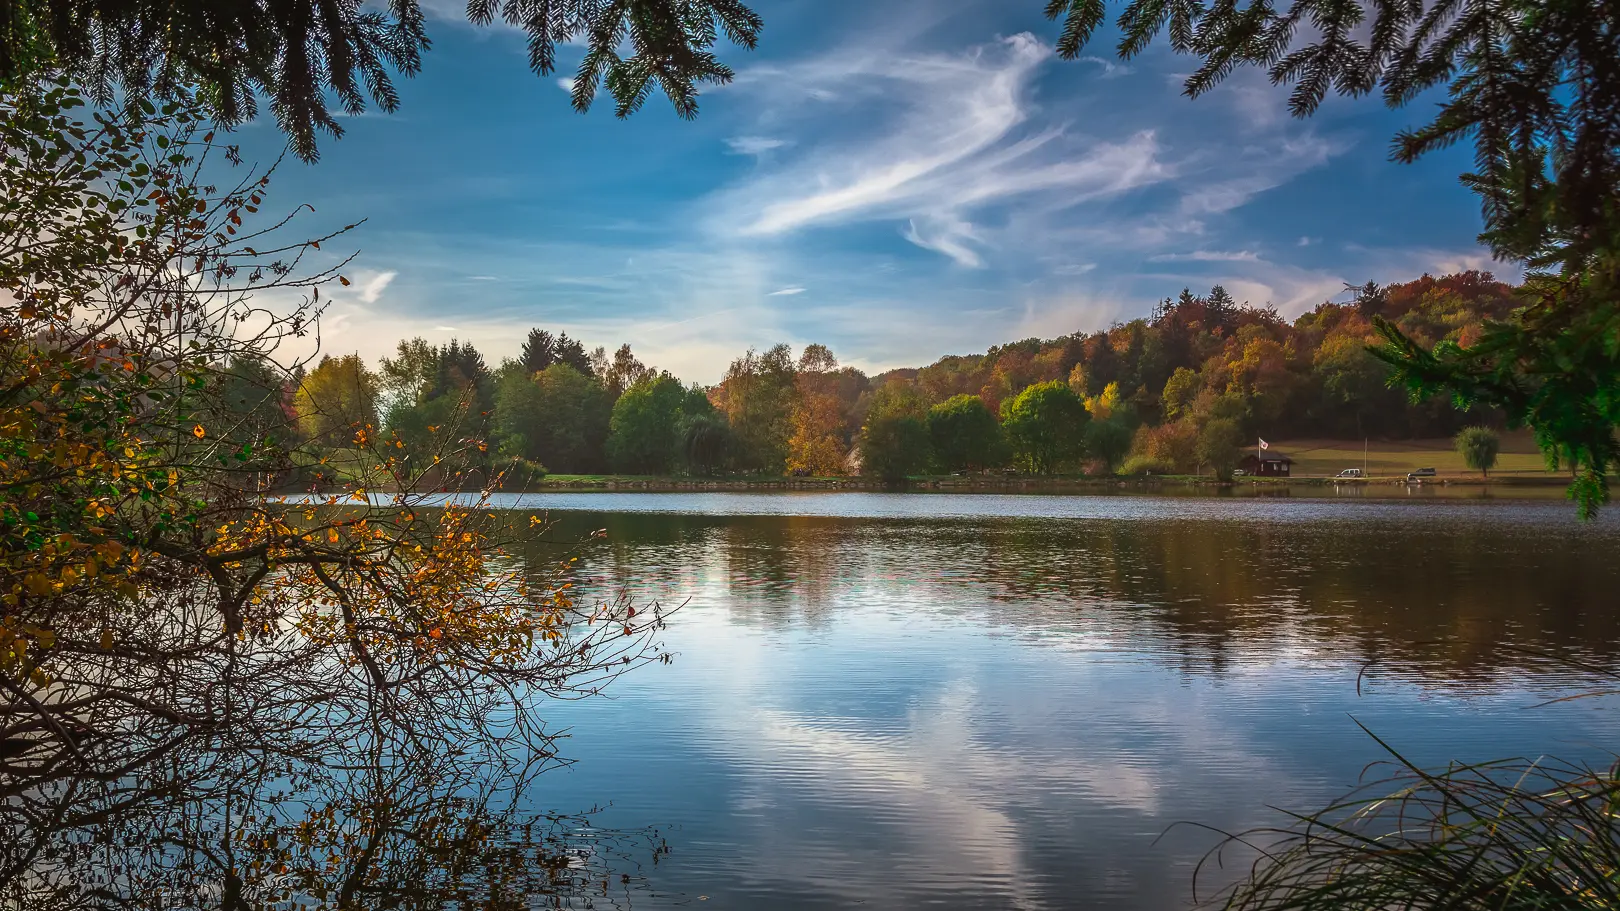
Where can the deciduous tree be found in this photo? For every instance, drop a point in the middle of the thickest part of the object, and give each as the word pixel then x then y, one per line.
pixel 1478 447
pixel 965 435
pixel 1046 425
pixel 644 434
pixel 894 441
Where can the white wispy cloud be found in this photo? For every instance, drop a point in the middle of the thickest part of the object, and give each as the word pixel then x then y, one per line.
pixel 1263 166
pixel 755 145
pixel 372 288
pixel 937 198
pixel 1111 69
pixel 1210 256
pixel 954 143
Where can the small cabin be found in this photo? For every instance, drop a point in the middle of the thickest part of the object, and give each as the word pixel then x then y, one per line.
pixel 1267 465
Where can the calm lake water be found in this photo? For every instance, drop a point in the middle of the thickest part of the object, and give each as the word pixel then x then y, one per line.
pixel 942 701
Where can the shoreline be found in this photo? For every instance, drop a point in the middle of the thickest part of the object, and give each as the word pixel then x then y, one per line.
pixel 1015 484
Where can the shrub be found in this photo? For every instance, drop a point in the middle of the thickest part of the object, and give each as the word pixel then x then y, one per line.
pixel 1144 464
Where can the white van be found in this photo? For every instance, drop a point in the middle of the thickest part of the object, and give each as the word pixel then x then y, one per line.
pixel 1350 473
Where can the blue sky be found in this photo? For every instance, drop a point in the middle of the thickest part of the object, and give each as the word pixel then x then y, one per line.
pixel 897 179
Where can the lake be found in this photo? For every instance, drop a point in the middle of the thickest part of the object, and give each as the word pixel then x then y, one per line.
pixel 930 700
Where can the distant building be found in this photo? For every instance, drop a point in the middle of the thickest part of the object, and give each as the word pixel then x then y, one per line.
pixel 1269 465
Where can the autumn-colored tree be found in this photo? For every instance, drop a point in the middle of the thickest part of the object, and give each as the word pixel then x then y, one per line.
pixel 337 400
pixel 1172 446
pixel 1105 404
pixel 1533 88
pixel 1179 392
pixel 1264 375
pixel 818 445
pixel 172 641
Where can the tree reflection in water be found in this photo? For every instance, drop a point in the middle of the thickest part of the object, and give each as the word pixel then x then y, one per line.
pixel 308 816
pixel 181 766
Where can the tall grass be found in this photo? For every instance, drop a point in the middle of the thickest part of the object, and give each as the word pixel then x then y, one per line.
pixel 1511 835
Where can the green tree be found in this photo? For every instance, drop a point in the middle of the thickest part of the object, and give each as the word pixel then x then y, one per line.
pixel 410 374
pixel 965 435
pixel 1110 441
pixel 299 55
pixel 1352 379
pixel 541 349
pixel 706 442
pixel 644 433
pixel 1219 442
pixel 894 441
pixel 440 400
pixel 1478 447
pixel 249 402
pixel 1046 425
pixel 558 418
pixel 623 371
pixel 758 395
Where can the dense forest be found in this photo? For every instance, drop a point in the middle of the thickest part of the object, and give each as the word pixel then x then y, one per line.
pixel 1181 391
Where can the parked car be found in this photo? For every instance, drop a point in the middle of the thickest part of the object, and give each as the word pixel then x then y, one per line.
pixel 1420 474
pixel 1350 473
pixel 1239 473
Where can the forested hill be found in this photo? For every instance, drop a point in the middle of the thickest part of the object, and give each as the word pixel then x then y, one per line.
pixel 1313 376
pixel 1176 391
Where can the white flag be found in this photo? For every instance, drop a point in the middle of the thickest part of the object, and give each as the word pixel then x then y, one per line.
pixel 1264 445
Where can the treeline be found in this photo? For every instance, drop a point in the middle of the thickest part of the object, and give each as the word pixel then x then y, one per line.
pixel 1181 391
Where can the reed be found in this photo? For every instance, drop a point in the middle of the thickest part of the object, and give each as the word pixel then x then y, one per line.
pixel 1509 835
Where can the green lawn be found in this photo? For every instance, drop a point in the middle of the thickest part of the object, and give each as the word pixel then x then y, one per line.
pixel 1325 458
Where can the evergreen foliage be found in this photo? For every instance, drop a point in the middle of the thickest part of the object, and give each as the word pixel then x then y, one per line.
pixel 300 55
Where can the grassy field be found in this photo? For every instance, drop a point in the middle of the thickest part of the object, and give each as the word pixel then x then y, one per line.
pixel 1325 458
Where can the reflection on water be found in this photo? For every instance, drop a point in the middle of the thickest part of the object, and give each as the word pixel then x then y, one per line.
pixel 893 701
pixel 1001 702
